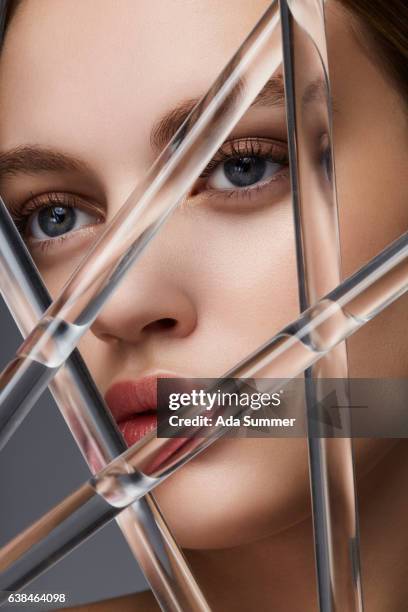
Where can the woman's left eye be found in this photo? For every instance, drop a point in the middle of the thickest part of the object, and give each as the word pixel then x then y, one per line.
pixel 55 221
pixel 242 172
pixel 242 165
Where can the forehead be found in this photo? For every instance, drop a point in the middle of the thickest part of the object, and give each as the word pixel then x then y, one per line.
pixel 103 63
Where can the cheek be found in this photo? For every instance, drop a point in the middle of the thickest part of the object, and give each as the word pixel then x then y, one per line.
pixel 57 263
pixel 373 213
pixel 56 275
pixel 247 270
pixel 373 202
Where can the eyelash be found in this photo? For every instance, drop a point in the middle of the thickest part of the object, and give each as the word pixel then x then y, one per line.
pixel 275 151
pixel 21 215
pixel 267 149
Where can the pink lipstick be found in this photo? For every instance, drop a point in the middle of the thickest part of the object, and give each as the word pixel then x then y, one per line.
pixel 133 404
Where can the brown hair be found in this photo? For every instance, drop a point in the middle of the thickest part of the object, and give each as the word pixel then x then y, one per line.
pixel 384 24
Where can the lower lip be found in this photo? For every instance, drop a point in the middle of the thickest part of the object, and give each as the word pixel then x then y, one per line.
pixel 137 427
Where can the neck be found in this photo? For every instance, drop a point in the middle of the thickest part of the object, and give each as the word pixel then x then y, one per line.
pixel 383 500
pixel 274 573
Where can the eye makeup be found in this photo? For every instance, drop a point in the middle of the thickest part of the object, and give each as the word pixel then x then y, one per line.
pixel 259 163
pixel 50 218
pixel 244 167
pixel 265 148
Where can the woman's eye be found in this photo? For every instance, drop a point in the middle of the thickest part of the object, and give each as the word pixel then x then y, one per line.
pixel 55 221
pixel 241 172
pixel 326 161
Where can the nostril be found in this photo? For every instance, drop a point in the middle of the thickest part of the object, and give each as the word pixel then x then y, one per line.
pixel 167 323
pixel 161 325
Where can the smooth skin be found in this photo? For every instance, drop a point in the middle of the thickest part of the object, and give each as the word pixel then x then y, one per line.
pixel 93 83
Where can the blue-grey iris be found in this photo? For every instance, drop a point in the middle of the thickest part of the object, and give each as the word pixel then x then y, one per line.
pixel 56 220
pixel 245 171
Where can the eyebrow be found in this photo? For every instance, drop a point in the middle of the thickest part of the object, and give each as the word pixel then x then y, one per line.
pixel 34 159
pixel 272 94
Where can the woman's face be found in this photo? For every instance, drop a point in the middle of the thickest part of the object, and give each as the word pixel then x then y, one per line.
pixel 92 81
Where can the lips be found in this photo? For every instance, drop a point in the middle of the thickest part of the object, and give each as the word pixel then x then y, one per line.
pixel 133 404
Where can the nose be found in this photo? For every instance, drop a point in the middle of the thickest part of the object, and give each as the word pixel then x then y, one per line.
pixel 151 302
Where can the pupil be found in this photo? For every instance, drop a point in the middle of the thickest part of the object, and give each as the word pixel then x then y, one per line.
pixel 56 220
pixel 244 171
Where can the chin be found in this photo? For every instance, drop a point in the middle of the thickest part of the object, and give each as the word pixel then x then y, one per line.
pixel 216 501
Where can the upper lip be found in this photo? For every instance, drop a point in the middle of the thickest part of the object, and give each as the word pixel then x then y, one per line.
pixel 128 398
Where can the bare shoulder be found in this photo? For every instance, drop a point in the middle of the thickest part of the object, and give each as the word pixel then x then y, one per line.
pixel 138 602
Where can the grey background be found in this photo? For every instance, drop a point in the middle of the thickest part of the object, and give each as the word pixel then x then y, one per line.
pixel 39 466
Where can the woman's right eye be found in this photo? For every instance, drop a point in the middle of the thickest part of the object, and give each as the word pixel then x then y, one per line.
pixel 55 216
pixel 55 221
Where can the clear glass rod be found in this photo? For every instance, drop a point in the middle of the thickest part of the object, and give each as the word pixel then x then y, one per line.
pixel 314 197
pixel 95 432
pixel 137 222
pixel 295 348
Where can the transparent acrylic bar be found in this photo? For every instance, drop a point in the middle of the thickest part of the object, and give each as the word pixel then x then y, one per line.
pixel 139 219
pixel 95 432
pixel 314 198
pixel 298 346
